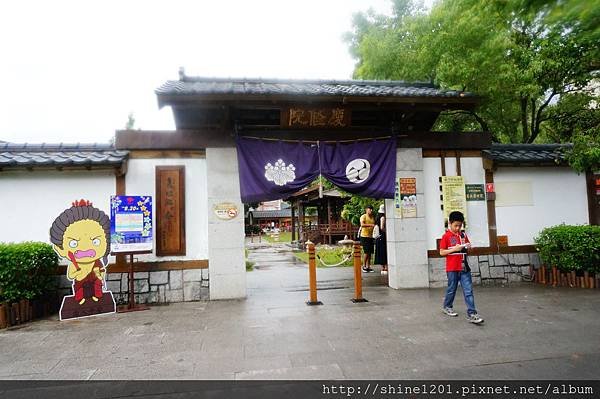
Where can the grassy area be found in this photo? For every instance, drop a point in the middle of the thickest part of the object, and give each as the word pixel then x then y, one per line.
pixel 330 256
pixel 249 265
pixel 284 236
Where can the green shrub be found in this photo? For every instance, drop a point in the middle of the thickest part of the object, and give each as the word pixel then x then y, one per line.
pixel 26 270
pixel 252 229
pixel 570 247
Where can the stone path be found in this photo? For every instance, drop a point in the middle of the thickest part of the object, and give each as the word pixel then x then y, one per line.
pixel 531 332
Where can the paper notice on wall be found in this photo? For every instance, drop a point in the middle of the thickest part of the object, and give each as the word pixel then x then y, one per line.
pixel 453 195
pixel 408 197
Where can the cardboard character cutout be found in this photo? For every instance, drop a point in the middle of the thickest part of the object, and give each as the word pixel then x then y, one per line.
pixel 81 235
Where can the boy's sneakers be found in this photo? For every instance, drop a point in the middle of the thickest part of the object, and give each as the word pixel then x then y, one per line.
pixel 450 312
pixel 474 318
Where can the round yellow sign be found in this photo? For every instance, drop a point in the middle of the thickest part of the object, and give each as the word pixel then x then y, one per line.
pixel 226 210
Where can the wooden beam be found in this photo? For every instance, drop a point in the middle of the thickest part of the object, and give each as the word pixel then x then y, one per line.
pixel 201 139
pixel 173 140
pixel 462 153
pixel 154 154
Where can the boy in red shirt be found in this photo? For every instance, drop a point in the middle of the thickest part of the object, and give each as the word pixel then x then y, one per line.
pixel 453 246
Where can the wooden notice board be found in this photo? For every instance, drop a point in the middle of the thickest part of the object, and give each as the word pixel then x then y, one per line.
pixel 170 210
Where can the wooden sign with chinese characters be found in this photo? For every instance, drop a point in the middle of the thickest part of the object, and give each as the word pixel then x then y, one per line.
pixel 170 212
pixel 475 192
pixel 302 117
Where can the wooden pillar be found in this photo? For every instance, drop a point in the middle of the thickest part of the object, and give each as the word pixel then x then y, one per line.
pixel 300 220
pixel 491 207
pixel 120 189
pixel 293 209
pixel 443 162
pixel 312 275
pixel 356 250
pixel 329 221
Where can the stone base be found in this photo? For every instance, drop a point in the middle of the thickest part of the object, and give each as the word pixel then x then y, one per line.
pixel 71 309
pixel 488 269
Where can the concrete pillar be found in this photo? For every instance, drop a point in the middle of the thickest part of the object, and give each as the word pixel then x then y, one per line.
pixel 226 260
pixel 406 238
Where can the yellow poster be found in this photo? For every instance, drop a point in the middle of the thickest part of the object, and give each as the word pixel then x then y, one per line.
pixel 453 195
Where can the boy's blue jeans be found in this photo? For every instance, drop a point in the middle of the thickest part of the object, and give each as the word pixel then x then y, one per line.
pixel 467 288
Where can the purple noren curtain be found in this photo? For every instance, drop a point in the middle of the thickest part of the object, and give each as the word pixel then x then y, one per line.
pixel 275 169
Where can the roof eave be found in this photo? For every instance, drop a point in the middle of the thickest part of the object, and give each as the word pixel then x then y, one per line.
pixel 469 101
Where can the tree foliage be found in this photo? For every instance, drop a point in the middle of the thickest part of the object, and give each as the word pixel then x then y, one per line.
pixel 354 208
pixel 531 61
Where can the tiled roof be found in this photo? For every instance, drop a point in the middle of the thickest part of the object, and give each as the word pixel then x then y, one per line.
pixel 29 155
pixel 284 213
pixel 528 153
pixel 367 88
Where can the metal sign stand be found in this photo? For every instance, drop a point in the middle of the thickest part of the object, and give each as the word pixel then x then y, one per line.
pixel 132 306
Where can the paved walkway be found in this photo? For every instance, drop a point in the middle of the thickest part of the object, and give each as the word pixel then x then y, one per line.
pixel 531 332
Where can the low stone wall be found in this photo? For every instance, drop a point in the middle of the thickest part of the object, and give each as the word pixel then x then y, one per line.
pixel 154 287
pixel 488 269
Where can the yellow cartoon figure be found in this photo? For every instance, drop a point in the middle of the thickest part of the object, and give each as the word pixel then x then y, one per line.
pixel 81 235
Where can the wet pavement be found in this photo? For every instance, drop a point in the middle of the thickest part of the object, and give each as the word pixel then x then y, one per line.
pixel 531 332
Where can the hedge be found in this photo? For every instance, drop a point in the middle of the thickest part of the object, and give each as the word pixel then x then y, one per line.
pixel 570 248
pixel 26 270
pixel 252 229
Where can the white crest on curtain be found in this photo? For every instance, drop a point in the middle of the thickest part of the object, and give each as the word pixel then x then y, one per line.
pixel 358 170
pixel 279 173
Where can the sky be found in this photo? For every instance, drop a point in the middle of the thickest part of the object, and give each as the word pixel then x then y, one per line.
pixel 72 71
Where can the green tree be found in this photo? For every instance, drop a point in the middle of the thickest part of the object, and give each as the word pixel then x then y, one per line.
pixel 575 118
pixel 521 56
pixel 354 208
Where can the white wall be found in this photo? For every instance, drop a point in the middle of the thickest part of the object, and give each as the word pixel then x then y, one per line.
pixel 226 266
pixel 473 172
pixel 559 196
pixel 30 201
pixel 434 219
pixel 141 180
pixel 406 237
pixel 477 228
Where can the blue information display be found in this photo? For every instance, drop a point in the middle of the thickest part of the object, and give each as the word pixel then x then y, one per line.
pixel 130 223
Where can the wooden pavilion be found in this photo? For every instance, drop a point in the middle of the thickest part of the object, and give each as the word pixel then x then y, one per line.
pixel 330 226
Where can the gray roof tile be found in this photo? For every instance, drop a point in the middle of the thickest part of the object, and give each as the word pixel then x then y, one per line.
pixel 29 155
pixel 528 153
pixel 284 213
pixel 369 88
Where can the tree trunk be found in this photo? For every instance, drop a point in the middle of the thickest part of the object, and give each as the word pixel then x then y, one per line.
pixel 524 124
